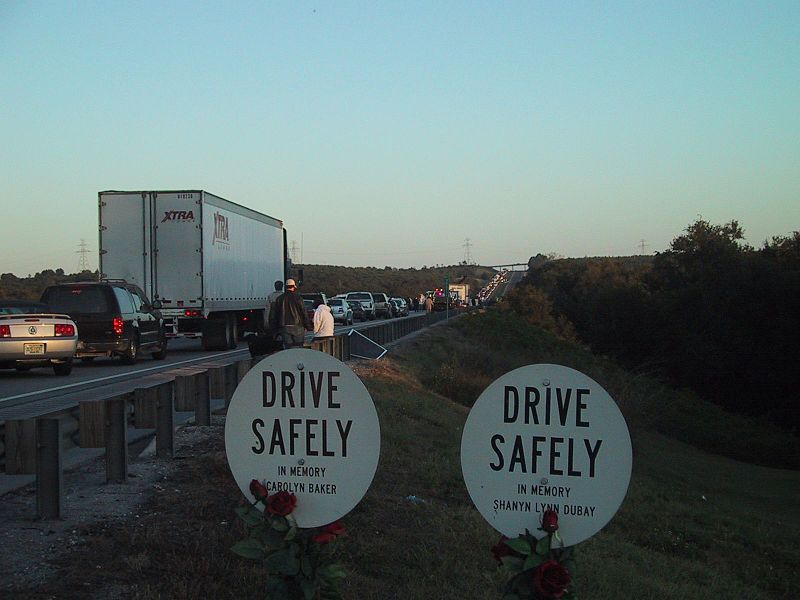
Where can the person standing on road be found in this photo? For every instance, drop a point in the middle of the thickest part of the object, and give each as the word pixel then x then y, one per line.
pixel 273 296
pixel 323 321
pixel 428 304
pixel 288 317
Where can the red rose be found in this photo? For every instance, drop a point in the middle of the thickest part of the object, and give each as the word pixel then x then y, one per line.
pixel 550 520
pixel 258 489
pixel 336 528
pixel 551 579
pixel 501 549
pixel 324 538
pixel 281 504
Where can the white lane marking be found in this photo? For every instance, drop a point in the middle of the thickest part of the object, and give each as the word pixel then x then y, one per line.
pixel 110 377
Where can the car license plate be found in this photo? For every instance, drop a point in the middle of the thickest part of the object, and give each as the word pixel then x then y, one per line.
pixel 33 349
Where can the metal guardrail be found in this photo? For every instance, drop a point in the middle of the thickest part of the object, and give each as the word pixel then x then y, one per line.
pixel 34 436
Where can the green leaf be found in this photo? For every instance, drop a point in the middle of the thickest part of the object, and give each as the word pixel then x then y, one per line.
pixel 249 548
pixel 533 560
pixel 280 524
pixel 308 588
pixel 519 545
pixel 332 572
pixel 511 563
pixel 543 546
pixel 250 516
pixel 282 562
pixel 305 566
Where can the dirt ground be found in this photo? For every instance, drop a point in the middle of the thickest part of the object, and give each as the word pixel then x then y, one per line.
pixel 32 552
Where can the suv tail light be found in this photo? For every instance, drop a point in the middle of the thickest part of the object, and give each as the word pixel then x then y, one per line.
pixel 64 330
pixel 5 331
pixel 119 325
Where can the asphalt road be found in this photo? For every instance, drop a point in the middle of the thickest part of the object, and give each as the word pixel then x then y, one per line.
pixel 16 386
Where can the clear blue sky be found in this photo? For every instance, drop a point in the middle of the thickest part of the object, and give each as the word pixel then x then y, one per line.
pixel 389 133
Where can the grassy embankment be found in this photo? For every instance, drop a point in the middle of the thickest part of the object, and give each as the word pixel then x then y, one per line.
pixel 694 525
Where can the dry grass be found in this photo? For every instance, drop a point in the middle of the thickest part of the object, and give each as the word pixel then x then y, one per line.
pixel 667 542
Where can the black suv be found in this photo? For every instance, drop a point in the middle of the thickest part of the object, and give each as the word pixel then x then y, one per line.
pixel 114 318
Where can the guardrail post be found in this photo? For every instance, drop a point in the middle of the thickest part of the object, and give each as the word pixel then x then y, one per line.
pixel 216 382
pixel 116 440
pixel 202 406
pixel 49 474
pixel 242 367
pixel 21 449
pixel 231 381
pixel 185 392
pixel 165 430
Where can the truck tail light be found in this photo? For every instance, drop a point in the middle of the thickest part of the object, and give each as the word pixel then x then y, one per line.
pixel 192 314
pixel 5 331
pixel 64 330
pixel 119 325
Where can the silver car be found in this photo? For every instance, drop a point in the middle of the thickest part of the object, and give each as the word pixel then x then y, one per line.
pixel 341 311
pixel 31 336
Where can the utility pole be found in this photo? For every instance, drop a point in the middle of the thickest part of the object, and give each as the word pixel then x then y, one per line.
pixel 83 250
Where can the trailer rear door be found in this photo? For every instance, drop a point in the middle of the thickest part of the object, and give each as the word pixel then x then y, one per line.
pixel 179 253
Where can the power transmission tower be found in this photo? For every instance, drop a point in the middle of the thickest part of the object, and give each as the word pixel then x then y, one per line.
pixel 467 257
pixel 293 251
pixel 642 245
pixel 83 250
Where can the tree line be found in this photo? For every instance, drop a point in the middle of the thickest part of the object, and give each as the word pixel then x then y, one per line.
pixel 710 313
pixel 330 279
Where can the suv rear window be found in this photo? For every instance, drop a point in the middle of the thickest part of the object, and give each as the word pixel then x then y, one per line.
pixel 359 296
pixel 77 300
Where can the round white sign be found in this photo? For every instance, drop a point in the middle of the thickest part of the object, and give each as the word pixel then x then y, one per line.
pixel 546 437
pixel 303 422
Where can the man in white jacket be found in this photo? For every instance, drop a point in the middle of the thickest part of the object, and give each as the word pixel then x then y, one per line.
pixel 323 321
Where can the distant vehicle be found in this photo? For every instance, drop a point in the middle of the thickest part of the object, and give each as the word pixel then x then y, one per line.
pixel 358 310
pixel 315 297
pixel 114 318
pixel 31 336
pixel 381 302
pixel 402 307
pixel 210 262
pixel 341 311
pixel 308 303
pixel 365 298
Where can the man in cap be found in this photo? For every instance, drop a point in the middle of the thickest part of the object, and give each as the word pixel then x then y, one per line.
pixel 289 318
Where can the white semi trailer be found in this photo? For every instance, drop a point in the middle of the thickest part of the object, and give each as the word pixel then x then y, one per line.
pixel 209 262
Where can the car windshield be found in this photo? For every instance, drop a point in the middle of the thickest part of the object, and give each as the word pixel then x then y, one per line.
pixel 354 304
pixel 336 302
pixel 78 299
pixel 360 296
pixel 22 309
pixel 308 303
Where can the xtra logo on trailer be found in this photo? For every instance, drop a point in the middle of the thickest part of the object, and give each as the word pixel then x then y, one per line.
pixel 178 215
pixel 221 234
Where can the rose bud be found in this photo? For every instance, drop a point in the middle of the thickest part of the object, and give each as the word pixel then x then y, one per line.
pixel 258 489
pixel 336 528
pixel 324 538
pixel 281 504
pixel 501 549
pixel 551 579
pixel 550 521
